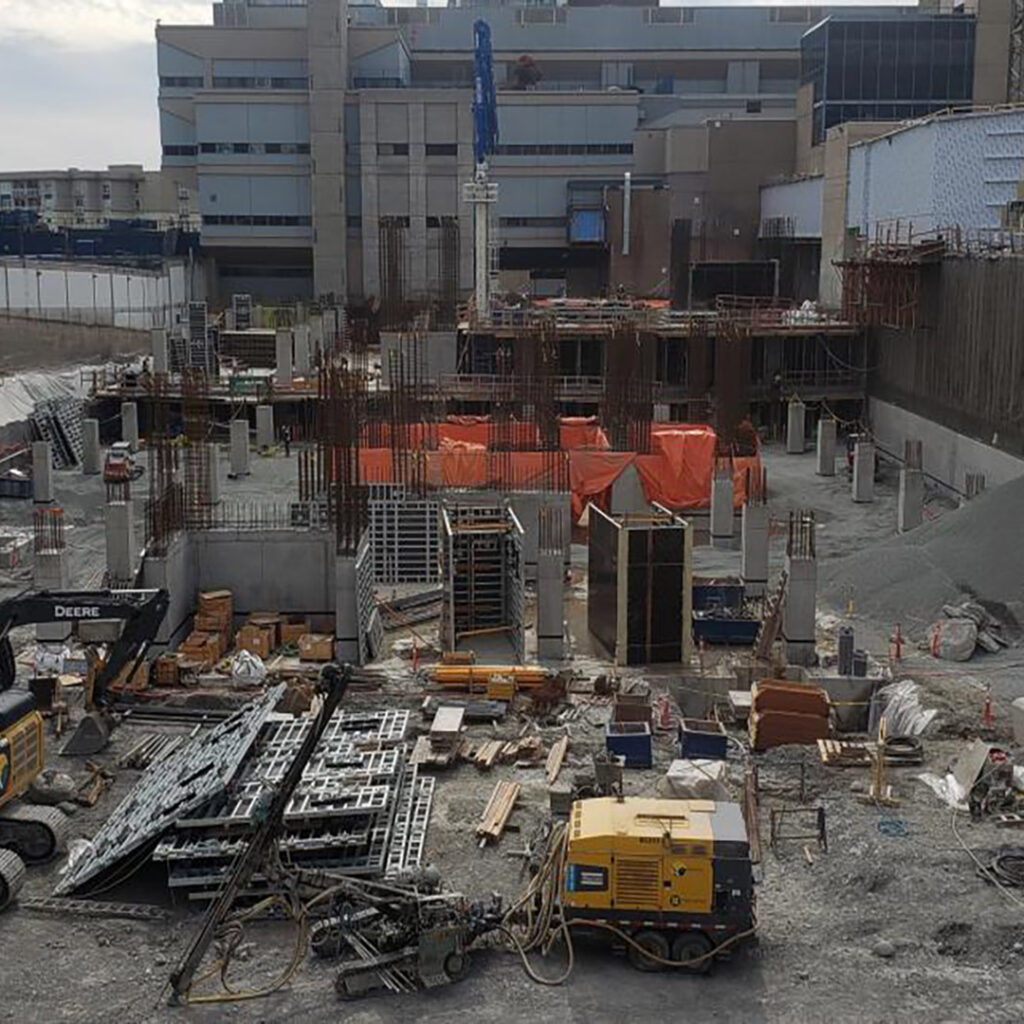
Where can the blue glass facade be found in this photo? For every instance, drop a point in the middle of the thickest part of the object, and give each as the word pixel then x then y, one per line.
pixel 887 68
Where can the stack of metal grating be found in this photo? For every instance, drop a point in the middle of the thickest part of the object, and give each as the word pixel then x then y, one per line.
pixel 360 808
pixel 59 421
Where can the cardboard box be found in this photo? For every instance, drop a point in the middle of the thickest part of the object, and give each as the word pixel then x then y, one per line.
pixel 292 631
pixel 255 640
pixel 203 649
pixel 316 647
pixel 166 671
pixel 270 622
pixel 217 605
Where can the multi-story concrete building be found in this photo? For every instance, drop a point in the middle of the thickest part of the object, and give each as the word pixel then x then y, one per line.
pixel 328 141
pixel 88 199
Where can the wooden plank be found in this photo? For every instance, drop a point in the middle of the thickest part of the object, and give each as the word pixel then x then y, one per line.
pixel 496 814
pixel 556 755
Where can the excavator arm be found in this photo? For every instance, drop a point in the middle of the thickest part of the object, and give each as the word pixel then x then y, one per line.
pixel 141 611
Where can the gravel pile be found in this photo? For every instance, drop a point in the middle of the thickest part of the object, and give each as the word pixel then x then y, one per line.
pixel 976 550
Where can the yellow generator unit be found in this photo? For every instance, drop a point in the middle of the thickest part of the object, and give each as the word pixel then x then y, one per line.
pixel 672 877
pixel 27 833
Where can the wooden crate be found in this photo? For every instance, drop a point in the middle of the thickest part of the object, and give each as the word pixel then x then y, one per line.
pixel 255 640
pixel 293 631
pixel 217 605
pixel 166 671
pixel 316 647
pixel 269 621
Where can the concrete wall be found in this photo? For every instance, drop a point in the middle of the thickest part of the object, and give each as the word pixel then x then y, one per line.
pixel 799 202
pixel 78 293
pixel 992 51
pixel 27 343
pixel 282 570
pixel 948 456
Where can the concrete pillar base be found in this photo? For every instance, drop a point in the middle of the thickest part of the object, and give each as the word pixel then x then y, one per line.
pixel 42 473
pixel 863 486
pixel 826 447
pixel 122 551
pixel 264 426
pixel 346 610
pixel 91 453
pixel 910 506
pixel 239 448
pixel 130 424
pixel 550 606
pixel 159 341
pixel 795 427
pixel 798 617
pixel 721 508
pixel 754 549
pixel 213 462
pixel 283 350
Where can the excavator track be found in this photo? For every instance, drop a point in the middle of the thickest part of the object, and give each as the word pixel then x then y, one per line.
pixel 12 876
pixel 36 834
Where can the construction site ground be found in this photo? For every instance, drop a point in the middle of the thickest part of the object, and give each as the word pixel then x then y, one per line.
pixel 890 923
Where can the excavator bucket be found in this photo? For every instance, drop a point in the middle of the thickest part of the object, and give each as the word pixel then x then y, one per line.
pixel 91 736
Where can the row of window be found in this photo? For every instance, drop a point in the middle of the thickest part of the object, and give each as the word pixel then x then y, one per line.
pixel 240 148
pixel 256 221
pixel 432 149
pixel 567 149
pixel 233 82
pixel 532 222
pixel 259 82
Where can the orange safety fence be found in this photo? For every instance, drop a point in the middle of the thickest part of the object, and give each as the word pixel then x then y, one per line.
pixel 677 472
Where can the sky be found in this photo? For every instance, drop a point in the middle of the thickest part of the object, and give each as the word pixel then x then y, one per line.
pixel 78 79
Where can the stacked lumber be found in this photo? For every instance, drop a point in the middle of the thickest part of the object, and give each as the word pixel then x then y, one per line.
pixel 556 755
pixel 470 677
pixel 483 755
pixel 787 713
pixel 200 650
pixel 523 751
pixel 497 812
pixel 846 753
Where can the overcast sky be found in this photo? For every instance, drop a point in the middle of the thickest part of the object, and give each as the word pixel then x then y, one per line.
pixel 78 79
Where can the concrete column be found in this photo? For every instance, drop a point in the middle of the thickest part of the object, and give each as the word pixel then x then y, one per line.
pixel 826 446
pixel 42 472
pixel 302 354
pixel 910 507
pixel 798 613
pixel 239 448
pixel 721 506
pixel 550 606
pixel 864 471
pixel 213 464
pixel 316 334
pixel 754 553
pixel 50 572
pixel 795 427
pixel 122 550
pixel 130 424
pixel 264 426
pixel 283 353
pixel 346 610
pixel 91 455
pixel 159 341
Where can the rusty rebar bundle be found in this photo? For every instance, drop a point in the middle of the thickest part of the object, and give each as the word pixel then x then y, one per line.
pixel 800 535
pixel 47 530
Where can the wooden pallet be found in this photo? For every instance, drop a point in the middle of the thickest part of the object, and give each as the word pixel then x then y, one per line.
pixel 497 812
pixel 556 755
pixel 1009 820
pixel 846 753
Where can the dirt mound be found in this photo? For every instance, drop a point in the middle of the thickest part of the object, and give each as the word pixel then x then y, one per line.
pixel 974 550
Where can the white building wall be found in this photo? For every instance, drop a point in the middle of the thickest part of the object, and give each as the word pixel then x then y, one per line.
pixel 77 293
pixel 799 202
pixel 893 178
pixel 979 163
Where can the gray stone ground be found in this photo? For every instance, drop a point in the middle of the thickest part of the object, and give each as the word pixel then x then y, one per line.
pixel 952 946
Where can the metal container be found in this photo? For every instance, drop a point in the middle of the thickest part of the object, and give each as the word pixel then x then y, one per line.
pixel 846 650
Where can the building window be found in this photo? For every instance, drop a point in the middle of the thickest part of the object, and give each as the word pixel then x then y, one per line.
pixel 442 149
pixel 753 106
pixel 255 220
pixel 180 150
pixel 392 149
pixel 794 15
pixel 668 15
pixel 181 81
pixel 567 149
pixel 258 82
pixel 253 148
pixel 354 222
pixel 532 222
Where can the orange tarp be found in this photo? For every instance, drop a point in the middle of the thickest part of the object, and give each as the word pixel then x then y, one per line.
pixel 677 472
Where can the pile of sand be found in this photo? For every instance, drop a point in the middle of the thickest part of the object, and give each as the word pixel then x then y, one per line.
pixel 977 550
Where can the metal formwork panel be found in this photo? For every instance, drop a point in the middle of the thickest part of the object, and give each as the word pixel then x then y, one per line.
pixel 405 537
pixel 371 629
pixel 171 789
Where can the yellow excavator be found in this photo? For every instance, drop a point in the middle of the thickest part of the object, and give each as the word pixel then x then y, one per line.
pixel 31 834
